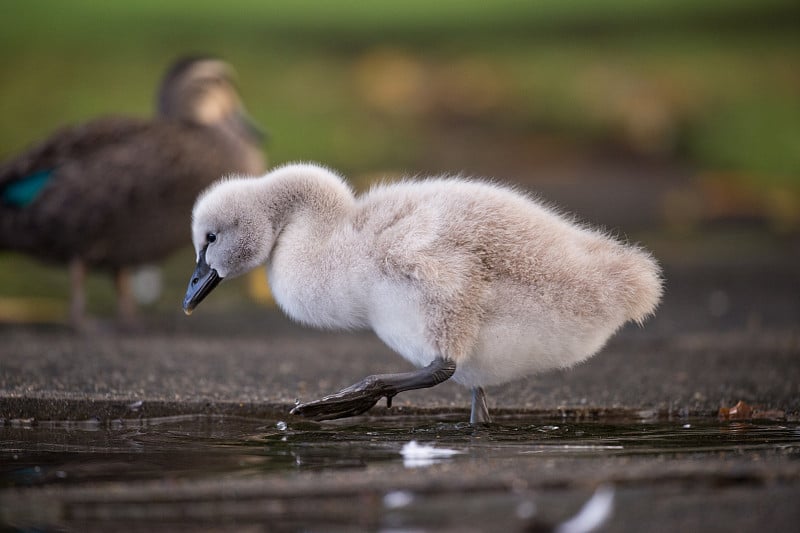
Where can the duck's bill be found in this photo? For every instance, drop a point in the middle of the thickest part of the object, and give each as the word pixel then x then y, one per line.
pixel 203 281
pixel 248 127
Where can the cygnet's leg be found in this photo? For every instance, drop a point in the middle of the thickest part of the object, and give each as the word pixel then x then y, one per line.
pixel 362 396
pixel 480 412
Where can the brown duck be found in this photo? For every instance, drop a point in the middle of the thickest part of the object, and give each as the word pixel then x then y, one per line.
pixel 116 192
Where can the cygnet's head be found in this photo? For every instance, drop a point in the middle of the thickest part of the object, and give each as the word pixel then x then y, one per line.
pixel 232 235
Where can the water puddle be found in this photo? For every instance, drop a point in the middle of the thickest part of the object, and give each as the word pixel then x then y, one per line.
pixel 200 446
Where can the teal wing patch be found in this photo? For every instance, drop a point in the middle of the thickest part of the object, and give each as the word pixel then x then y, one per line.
pixel 23 192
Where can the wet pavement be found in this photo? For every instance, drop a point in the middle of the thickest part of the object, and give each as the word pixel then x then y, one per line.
pixel 185 425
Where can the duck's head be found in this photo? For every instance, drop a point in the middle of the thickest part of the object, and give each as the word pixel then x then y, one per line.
pixel 232 234
pixel 201 90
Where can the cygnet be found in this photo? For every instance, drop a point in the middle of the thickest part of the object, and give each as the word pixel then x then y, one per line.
pixel 468 280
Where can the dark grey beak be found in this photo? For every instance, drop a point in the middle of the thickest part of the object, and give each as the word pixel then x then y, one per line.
pixel 202 283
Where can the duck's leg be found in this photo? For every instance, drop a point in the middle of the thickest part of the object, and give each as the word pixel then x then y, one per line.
pixel 480 412
pixel 77 302
pixel 361 396
pixel 126 308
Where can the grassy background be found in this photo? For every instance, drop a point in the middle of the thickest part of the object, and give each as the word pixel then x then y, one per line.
pixel 383 87
pixel 716 82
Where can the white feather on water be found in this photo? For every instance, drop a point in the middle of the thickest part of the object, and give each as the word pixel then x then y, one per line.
pixel 416 455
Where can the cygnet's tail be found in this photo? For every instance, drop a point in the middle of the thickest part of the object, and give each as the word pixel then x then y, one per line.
pixel 640 282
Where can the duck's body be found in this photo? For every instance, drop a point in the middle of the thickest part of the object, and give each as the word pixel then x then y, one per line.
pixel 112 193
pixel 468 272
pixel 116 189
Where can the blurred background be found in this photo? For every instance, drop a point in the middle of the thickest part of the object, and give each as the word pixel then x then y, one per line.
pixel 674 123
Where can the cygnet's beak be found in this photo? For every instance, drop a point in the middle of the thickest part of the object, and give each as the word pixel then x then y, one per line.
pixel 202 282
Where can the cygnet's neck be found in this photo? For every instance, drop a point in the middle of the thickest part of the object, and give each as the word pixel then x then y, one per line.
pixel 307 196
pixel 309 263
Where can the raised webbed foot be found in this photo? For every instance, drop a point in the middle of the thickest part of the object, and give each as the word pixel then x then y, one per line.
pixel 362 396
pixel 350 401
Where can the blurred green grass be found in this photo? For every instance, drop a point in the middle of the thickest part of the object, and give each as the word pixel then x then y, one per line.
pixel 377 87
pixel 702 80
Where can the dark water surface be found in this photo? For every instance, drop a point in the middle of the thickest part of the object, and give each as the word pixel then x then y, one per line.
pixel 190 447
pixel 523 473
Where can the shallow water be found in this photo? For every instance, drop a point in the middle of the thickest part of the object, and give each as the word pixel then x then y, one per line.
pixel 191 447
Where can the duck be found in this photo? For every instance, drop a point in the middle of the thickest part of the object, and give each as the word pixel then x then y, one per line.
pixel 468 280
pixel 113 193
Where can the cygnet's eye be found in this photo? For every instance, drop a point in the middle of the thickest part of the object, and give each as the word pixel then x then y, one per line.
pixel 211 237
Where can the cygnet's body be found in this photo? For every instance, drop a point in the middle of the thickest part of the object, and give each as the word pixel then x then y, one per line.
pixel 467 272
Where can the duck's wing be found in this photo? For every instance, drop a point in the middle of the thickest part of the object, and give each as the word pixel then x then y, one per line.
pixel 25 176
pixel 39 213
pixel 138 205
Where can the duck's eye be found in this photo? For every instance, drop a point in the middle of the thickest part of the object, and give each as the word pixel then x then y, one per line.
pixel 211 237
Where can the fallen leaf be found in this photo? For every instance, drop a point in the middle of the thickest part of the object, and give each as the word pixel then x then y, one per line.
pixel 740 411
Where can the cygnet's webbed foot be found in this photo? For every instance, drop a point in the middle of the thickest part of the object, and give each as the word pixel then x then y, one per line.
pixel 351 401
pixel 362 396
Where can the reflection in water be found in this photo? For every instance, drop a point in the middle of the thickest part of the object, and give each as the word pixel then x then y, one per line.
pixel 198 446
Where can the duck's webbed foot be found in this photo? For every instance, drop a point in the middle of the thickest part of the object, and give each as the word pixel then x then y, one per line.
pixel 362 396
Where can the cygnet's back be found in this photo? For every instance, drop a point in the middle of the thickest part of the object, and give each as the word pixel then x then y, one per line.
pixel 528 289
